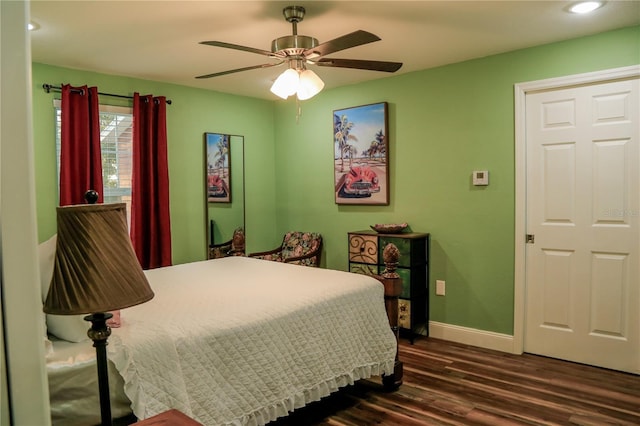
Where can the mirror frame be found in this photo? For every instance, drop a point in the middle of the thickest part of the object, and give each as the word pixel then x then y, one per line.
pixel 237 183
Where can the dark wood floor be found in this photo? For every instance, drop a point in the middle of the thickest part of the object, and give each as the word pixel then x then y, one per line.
pixel 452 384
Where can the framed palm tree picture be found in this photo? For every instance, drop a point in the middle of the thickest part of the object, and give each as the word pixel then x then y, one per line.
pixel 218 167
pixel 361 155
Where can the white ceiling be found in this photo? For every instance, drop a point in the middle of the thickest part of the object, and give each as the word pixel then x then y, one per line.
pixel 158 40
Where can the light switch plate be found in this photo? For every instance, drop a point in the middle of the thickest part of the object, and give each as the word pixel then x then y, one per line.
pixel 481 177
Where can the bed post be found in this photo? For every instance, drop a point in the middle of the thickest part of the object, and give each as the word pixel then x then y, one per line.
pixel 392 290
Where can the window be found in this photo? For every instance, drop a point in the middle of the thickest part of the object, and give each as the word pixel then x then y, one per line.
pixel 116 132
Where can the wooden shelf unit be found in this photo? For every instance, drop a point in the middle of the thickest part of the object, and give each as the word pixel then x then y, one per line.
pixel 365 257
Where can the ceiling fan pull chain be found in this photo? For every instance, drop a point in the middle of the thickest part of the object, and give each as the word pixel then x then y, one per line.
pixel 298 110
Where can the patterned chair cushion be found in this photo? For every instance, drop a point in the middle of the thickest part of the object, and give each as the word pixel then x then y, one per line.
pixel 276 257
pixel 296 244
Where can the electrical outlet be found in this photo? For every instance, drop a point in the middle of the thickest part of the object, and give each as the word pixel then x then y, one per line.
pixel 440 288
pixel 481 177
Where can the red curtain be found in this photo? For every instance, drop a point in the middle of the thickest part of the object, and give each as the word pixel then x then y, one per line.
pixel 80 159
pixel 150 224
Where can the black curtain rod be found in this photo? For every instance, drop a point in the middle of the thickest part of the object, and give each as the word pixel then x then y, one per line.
pixel 48 88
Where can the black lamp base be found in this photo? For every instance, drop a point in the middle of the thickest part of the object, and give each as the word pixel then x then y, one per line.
pixel 99 333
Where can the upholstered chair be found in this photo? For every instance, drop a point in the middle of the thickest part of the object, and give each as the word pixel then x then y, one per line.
pixel 233 247
pixel 300 248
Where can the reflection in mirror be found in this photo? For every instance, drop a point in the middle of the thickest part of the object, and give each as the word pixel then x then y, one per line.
pixel 223 218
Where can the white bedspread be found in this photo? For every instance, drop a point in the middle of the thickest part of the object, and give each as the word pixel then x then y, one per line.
pixel 244 341
pixel 73 385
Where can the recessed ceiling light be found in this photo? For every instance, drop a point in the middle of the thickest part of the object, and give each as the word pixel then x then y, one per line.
pixel 32 26
pixel 585 6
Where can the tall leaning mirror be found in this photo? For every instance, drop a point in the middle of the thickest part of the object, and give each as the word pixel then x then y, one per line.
pixel 224 194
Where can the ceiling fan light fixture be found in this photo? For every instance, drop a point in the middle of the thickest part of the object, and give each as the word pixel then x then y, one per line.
pixel 286 84
pixel 310 85
pixel 585 7
pixel 299 50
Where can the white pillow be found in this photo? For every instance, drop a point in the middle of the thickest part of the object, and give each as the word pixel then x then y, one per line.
pixel 48 346
pixel 72 328
pixel 46 258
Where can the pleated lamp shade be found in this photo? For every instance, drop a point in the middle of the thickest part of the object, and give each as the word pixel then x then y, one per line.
pixel 96 269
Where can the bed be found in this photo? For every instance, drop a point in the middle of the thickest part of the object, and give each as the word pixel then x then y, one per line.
pixel 235 341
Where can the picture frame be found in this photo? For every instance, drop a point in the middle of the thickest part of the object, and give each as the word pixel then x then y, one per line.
pixel 217 167
pixel 361 155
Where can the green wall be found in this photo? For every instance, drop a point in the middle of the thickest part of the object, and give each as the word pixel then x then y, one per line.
pixel 192 113
pixel 443 124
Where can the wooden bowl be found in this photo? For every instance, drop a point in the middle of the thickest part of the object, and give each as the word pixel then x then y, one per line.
pixel 389 228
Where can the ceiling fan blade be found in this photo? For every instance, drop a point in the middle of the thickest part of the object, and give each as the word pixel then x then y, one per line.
pixel 356 38
pixel 359 64
pixel 237 47
pixel 217 74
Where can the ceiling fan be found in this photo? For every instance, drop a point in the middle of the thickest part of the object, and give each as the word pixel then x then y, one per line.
pixel 299 50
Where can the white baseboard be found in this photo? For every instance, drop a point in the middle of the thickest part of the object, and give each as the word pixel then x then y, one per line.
pixel 472 336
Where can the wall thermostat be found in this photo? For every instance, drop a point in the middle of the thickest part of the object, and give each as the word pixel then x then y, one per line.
pixel 481 177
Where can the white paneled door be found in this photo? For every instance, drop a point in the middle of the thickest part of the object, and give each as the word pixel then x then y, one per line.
pixel 583 210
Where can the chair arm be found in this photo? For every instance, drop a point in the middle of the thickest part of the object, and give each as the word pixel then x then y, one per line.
pixel 219 250
pixel 309 255
pixel 263 253
pixel 226 243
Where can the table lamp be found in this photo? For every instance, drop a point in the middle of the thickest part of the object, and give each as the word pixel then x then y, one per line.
pixel 96 271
